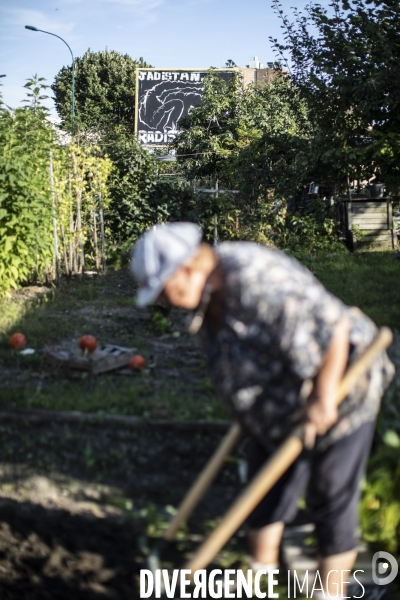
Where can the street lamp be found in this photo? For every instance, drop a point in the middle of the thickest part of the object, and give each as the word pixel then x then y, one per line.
pixel 31 28
pixel 3 75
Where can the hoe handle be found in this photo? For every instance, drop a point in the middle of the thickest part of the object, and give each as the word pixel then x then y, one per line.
pixel 204 480
pixel 278 464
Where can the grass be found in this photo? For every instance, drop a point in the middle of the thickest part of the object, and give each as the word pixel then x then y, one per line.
pixel 367 280
pixel 104 306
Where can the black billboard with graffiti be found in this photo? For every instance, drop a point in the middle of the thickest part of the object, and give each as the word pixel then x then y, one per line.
pixel 164 97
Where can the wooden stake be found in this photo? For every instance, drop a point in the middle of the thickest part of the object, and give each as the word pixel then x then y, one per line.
pixel 64 249
pixel 103 237
pixel 78 194
pixel 54 209
pixel 96 249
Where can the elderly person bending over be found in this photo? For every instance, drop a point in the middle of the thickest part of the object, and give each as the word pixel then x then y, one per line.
pixel 272 333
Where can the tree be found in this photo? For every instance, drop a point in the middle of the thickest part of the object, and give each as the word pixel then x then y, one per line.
pixel 105 85
pixel 344 61
pixel 249 139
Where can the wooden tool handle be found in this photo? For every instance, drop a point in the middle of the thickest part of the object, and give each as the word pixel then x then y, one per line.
pixel 204 480
pixel 278 465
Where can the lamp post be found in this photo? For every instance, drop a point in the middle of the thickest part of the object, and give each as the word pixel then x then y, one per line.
pixel 3 75
pixel 31 28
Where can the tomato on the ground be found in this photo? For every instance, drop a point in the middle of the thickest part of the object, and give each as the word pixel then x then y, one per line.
pixel 17 341
pixel 88 343
pixel 137 362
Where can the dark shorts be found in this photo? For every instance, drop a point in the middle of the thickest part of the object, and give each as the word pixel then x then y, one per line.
pixel 331 480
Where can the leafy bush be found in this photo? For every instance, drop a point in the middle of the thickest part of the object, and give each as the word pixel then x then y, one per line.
pixel 380 505
pixel 25 201
pixel 129 184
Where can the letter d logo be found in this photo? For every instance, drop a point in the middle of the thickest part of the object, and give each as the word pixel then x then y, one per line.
pixel 383 567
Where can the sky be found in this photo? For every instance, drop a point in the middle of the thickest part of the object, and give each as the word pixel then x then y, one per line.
pixel 166 33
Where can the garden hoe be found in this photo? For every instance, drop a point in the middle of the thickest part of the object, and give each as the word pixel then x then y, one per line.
pixel 195 494
pixel 266 478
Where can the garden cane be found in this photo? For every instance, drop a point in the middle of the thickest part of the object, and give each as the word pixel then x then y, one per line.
pixel 278 464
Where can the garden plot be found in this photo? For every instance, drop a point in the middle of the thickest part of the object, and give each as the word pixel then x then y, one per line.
pixel 104 307
pixel 78 503
pixel 80 496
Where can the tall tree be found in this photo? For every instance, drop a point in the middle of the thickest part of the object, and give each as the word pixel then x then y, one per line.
pixel 345 62
pixel 105 84
pixel 249 139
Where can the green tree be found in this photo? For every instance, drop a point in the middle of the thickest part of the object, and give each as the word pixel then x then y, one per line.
pixel 105 85
pixel 249 139
pixel 344 61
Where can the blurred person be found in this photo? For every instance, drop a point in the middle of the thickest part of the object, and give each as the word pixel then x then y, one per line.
pixel 277 344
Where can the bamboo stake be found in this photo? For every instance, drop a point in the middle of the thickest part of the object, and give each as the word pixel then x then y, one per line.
pixel 96 249
pixel 64 249
pixel 78 194
pixel 55 235
pixel 103 237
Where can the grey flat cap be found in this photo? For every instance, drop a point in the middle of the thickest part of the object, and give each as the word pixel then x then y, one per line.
pixel 158 253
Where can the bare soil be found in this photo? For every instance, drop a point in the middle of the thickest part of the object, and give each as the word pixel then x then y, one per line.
pixel 78 503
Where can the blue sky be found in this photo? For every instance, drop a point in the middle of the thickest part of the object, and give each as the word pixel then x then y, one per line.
pixel 167 33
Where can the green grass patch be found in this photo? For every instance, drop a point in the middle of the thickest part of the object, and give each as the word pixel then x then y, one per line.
pixel 104 306
pixel 105 395
pixel 367 280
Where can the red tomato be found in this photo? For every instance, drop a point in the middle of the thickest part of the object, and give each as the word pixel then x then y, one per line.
pixel 137 362
pixel 17 341
pixel 88 343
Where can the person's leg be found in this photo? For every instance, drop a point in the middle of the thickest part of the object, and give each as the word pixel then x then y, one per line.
pixel 278 507
pixel 333 498
pixel 333 566
pixel 265 543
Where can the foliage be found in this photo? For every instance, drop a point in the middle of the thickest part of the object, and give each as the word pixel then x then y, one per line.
pixel 380 506
pixel 35 86
pixel 255 142
pixel 105 85
pixel 25 203
pixel 160 321
pixel 80 176
pixel 129 184
pixel 344 63
pixel 40 212
pixel 312 229
pixel 246 138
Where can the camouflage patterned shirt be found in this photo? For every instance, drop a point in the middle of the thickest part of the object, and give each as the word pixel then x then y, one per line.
pixel 276 325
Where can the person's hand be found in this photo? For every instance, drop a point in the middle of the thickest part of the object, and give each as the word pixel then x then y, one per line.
pixel 321 415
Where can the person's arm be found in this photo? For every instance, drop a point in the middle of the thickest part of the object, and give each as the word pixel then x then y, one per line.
pixel 322 411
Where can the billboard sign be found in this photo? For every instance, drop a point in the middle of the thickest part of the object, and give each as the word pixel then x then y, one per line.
pixel 164 97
